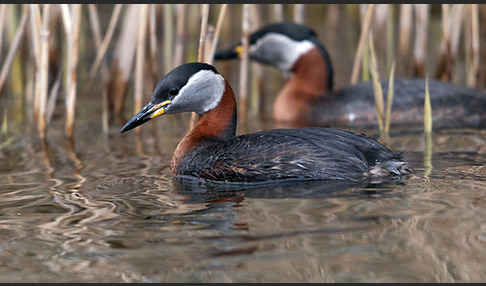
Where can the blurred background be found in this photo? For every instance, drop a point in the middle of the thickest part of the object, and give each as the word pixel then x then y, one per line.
pixel 54 56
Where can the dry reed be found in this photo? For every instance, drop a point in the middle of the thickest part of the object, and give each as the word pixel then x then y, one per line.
pixel 180 35
pixel 243 91
pixel 377 90
pixel 153 42
pixel 107 39
pixel 277 11
pixel 472 72
pixel 390 36
pixel 200 54
pixel 204 27
pixel 96 30
pixel 168 37
pixel 219 25
pixel 299 13
pixel 3 8
pixel 420 47
pixel 140 61
pixel 389 99
pixel 404 28
pixel 427 131
pixel 72 62
pixel 257 81
pixel 362 41
pixel 43 72
pixel 427 109
pixel 13 49
pixel 121 67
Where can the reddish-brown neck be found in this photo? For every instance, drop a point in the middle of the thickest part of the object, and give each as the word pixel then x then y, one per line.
pixel 310 73
pixel 307 83
pixel 217 124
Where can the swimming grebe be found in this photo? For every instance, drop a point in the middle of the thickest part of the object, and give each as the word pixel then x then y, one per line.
pixel 308 99
pixel 211 151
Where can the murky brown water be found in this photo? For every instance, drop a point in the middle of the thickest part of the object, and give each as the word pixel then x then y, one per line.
pixel 105 208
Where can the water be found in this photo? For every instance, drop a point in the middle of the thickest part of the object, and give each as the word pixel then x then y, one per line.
pixel 106 209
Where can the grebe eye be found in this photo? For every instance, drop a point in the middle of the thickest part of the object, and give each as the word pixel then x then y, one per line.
pixel 173 91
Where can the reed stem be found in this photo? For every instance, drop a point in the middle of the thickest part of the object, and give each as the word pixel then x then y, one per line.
pixel 243 92
pixel 362 41
pixel 219 24
pixel 200 54
pixel 73 48
pixel 473 71
pixel 106 40
pixel 377 90
pixel 180 34
pixel 420 47
pixel 95 28
pixel 427 109
pixel 142 28
pixel 204 27
pixel 405 27
pixel 277 11
pixel 13 49
pixel 389 99
pixel 44 71
pixel 3 8
pixel 299 11
pixel 168 37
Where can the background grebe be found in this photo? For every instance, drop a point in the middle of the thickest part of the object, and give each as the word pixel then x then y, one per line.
pixel 211 150
pixel 308 98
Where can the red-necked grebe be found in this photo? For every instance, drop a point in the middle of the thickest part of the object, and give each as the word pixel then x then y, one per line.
pixel 211 151
pixel 308 98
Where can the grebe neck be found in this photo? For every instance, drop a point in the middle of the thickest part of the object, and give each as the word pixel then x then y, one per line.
pixel 311 74
pixel 217 124
pixel 294 103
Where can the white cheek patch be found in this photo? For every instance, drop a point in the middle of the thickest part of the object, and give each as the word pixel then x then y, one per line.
pixel 202 92
pixel 279 50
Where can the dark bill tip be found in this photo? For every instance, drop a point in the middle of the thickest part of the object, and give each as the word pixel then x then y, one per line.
pixel 226 54
pixel 139 119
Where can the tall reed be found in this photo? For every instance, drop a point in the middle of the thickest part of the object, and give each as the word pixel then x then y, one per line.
pixel 3 8
pixel 107 39
pixel 257 81
pixel 362 42
pixel 427 132
pixel 13 47
pixel 377 90
pixel 427 109
pixel 140 61
pixel 420 47
pixel 277 12
pixel 121 66
pixel 96 30
pixel 72 63
pixel 472 72
pixel 43 71
pixel 180 34
pixel 243 91
pixel 299 13
pixel 404 28
pixel 389 99
pixel 168 37
pixel 200 54
pixel 219 25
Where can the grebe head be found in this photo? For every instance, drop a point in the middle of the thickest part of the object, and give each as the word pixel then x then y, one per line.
pixel 278 44
pixel 191 87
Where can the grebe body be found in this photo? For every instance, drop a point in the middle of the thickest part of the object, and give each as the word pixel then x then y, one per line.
pixel 308 98
pixel 211 151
